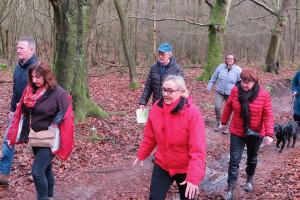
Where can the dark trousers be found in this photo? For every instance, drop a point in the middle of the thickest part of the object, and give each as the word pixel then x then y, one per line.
pixel 237 145
pixel 161 182
pixel 42 172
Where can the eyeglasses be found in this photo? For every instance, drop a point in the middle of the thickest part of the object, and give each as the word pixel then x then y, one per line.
pixel 229 59
pixel 168 91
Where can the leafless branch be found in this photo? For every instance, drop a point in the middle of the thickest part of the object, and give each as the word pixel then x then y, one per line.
pixel 265 7
pixel 208 3
pixel 237 4
pixel 172 19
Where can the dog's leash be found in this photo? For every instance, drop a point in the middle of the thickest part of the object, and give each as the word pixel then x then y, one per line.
pixel 292 105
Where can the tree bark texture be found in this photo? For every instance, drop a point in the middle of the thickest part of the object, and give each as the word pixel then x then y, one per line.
pixel 295 50
pixel 276 38
pixel 126 45
pixel 74 29
pixel 154 31
pixel 219 13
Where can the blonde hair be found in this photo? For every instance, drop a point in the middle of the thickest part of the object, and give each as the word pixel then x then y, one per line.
pixel 180 83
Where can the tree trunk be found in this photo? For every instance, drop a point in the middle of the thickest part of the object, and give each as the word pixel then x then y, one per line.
pixel 296 34
pixel 216 31
pixel 276 38
pixel 126 45
pixel 154 31
pixel 74 28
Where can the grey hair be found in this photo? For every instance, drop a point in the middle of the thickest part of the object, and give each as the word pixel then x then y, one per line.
pixel 31 42
pixel 180 83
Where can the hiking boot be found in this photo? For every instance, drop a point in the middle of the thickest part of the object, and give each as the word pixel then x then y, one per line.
pixel 50 198
pixel 217 127
pixel 226 130
pixel 4 179
pixel 249 184
pixel 230 191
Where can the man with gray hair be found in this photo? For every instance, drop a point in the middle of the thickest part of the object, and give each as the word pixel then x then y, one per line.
pixel 26 55
pixel 166 65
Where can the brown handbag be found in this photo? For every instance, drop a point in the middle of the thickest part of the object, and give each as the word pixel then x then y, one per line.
pixel 41 138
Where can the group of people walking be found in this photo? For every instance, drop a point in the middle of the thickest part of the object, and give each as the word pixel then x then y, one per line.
pixel 175 126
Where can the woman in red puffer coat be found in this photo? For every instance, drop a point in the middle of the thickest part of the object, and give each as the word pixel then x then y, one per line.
pixel 176 127
pixel 252 108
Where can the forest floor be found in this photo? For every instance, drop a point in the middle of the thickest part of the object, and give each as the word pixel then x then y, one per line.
pixel 102 169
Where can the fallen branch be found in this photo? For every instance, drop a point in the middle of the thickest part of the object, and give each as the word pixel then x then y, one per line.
pixel 4 81
pixel 110 170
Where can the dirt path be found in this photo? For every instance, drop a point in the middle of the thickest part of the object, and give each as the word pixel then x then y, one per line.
pixel 96 170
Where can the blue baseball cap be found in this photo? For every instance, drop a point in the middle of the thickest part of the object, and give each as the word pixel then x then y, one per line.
pixel 164 47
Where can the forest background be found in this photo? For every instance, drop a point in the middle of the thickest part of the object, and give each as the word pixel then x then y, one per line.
pixel 92 43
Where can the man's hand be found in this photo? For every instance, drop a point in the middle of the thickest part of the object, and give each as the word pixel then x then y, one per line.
pixel 142 107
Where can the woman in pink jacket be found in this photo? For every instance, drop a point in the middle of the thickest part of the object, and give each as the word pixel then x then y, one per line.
pixel 176 127
pixel 252 108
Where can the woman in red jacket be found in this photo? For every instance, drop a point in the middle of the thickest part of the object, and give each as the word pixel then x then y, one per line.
pixel 252 108
pixel 176 127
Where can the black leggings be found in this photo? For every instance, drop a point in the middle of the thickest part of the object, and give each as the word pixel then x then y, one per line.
pixel 237 145
pixel 161 182
pixel 42 172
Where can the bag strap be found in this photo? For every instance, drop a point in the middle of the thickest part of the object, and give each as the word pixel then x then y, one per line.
pixel 30 111
pixel 292 105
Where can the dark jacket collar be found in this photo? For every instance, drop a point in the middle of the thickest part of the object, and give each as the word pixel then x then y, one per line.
pixel 28 62
pixel 177 108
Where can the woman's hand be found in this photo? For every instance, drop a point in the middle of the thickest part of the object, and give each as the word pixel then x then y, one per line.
pixel 191 190
pixel 136 161
pixel 268 140
pixel 10 145
pixel 222 127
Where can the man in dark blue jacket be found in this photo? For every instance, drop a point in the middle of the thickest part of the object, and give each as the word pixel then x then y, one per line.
pixel 166 65
pixel 26 55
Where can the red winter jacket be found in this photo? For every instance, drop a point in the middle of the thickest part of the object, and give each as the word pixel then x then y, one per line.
pixel 179 137
pixel 261 114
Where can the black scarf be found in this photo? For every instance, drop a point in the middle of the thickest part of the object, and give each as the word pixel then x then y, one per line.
pixel 245 97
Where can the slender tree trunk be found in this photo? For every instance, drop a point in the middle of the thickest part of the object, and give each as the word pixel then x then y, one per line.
pixel 154 31
pixel 126 45
pixel 276 38
pixel 216 31
pixel 74 22
pixel 136 35
pixel 296 34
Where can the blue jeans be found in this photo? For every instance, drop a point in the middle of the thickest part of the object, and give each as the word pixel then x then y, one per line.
pixel 42 172
pixel 7 154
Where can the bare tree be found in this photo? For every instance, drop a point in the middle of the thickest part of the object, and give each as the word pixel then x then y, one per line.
pixel 126 45
pixel 74 22
pixel 5 9
pixel 276 38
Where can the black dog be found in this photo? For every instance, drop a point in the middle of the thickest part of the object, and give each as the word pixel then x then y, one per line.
pixel 284 133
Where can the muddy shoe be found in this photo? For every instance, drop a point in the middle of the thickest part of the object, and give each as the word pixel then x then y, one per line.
pixel 4 179
pixel 217 127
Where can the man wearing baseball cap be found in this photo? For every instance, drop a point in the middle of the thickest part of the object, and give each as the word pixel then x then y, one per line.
pixel 166 65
